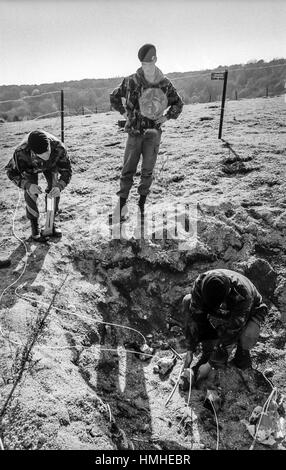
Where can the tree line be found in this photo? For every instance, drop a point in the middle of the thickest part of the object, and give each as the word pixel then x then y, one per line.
pixel 255 79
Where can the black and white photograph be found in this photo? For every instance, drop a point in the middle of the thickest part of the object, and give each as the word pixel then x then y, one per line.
pixel 143 229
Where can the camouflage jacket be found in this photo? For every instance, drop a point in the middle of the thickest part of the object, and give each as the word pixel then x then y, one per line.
pixel 132 88
pixel 25 163
pixel 243 303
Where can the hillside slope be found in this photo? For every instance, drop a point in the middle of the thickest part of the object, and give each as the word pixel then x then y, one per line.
pixel 251 80
pixel 73 394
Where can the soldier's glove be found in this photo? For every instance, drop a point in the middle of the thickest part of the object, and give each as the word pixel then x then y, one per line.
pixel 249 335
pixel 161 120
pixel 33 189
pixel 186 303
pixel 204 371
pixel 55 192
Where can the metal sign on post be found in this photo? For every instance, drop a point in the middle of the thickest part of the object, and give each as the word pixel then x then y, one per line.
pixel 217 75
pixel 221 76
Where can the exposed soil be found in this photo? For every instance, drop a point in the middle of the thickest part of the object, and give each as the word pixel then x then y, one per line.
pixel 70 393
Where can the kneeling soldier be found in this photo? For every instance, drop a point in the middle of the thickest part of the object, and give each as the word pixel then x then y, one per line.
pixel 224 309
pixel 40 152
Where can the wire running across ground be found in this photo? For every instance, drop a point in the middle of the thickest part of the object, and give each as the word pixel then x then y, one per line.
pixel 49 307
pixel 45 304
pixel 264 410
pixel 25 260
pixel 217 425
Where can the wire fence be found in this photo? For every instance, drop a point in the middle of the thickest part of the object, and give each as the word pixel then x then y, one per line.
pixel 30 97
pixel 96 99
pixel 45 110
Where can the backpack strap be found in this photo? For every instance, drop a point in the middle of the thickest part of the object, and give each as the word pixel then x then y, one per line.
pixel 128 88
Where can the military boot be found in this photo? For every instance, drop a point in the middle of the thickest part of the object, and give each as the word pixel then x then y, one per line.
pixel 120 213
pixel 141 203
pixel 242 358
pixel 37 236
pixel 140 225
pixel 57 233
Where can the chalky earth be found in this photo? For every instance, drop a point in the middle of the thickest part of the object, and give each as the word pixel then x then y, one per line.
pixel 68 381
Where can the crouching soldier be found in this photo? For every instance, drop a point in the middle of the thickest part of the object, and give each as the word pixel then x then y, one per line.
pixel 40 152
pixel 224 309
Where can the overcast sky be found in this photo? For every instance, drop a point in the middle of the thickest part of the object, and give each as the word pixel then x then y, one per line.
pixel 46 41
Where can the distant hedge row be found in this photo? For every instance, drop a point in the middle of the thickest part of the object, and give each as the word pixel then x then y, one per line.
pixel 255 79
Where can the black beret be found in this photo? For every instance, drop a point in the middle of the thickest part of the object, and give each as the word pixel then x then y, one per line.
pixel 147 53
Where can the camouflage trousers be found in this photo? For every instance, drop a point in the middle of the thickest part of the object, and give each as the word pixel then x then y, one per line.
pixel 31 199
pixel 146 145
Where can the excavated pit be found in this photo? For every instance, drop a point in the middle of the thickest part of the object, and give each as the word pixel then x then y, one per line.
pixel 144 292
pixel 84 389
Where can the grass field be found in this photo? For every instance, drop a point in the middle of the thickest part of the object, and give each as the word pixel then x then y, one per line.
pixel 238 186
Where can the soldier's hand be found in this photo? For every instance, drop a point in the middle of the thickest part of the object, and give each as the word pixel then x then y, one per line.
pixel 34 189
pixel 125 115
pixel 55 192
pixel 186 303
pixel 250 335
pixel 161 120
pixel 204 371
pixel 188 359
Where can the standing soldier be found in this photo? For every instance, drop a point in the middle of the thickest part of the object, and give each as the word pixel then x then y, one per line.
pixel 224 309
pixel 40 152
pixel 148 93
